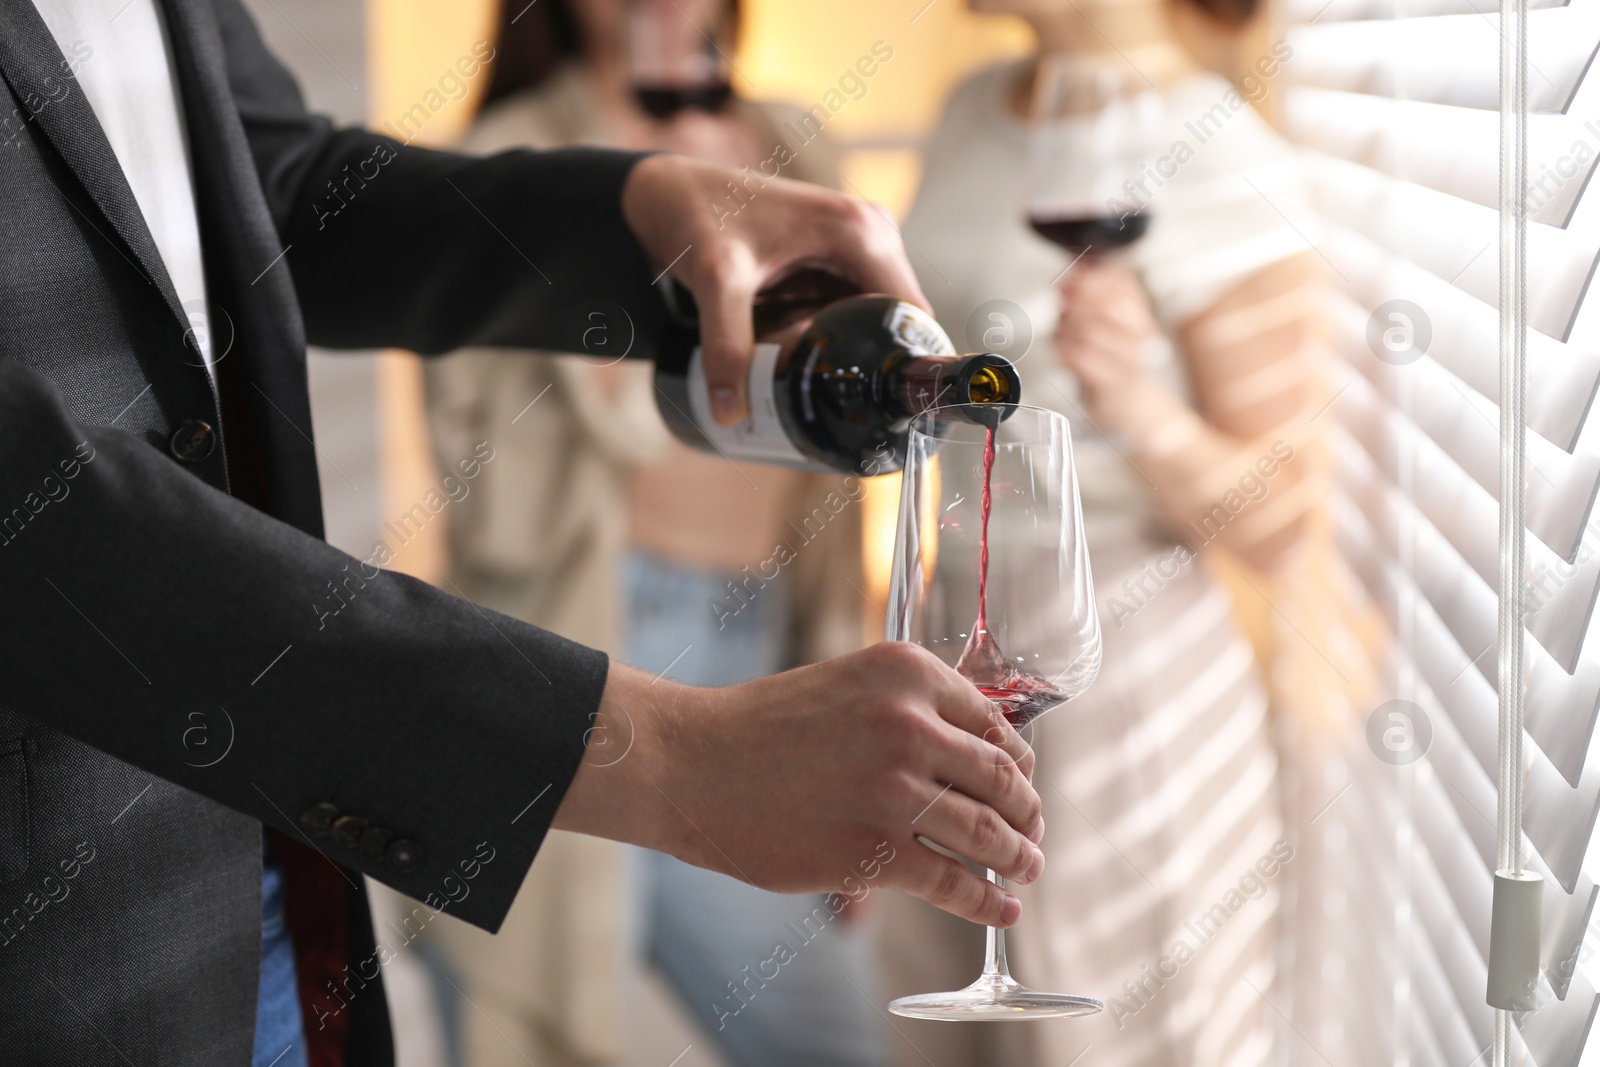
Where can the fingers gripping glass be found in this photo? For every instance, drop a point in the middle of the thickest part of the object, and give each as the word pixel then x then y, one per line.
pixel 991 574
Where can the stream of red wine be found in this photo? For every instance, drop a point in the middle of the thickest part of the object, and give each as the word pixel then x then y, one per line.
pixel 986 504
pixel 1020 696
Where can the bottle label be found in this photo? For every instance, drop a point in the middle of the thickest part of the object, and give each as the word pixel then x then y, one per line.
pixel 918 331
pixel 760 437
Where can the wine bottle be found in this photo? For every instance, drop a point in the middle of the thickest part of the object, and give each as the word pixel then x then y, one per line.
pixel 830 389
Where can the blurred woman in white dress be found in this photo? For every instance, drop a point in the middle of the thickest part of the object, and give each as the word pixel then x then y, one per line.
pixel 1186 363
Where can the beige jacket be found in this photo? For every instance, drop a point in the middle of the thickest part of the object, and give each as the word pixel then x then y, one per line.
pixel 542 537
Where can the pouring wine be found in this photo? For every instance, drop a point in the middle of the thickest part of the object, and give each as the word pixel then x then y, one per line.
pixel 989 519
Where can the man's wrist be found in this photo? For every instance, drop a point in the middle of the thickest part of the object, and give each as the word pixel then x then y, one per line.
pixel 629 768
pixel 641 199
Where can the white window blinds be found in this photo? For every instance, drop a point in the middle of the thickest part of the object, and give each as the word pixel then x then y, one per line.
pixel 1395 103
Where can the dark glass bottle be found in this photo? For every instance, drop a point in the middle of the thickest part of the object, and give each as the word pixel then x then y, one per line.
pixel 832 389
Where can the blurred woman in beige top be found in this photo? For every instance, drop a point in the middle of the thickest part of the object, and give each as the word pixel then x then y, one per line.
pixel 594 522
pixel 1186 364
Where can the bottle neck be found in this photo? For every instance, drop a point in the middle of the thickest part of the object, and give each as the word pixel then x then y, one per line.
pixel 918 383
pixel 922 382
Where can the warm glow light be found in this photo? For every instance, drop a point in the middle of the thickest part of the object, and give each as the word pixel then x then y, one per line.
pixel 799 52
pixel 411 44
pixel 886 176
pixel 879 510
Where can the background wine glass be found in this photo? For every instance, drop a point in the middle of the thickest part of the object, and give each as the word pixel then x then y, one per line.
pixel 1094 128
pixel 1036 641
pixel 677 60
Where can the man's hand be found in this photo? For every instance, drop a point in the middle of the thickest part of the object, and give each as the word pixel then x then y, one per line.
pixel 804 781
pixel 671 204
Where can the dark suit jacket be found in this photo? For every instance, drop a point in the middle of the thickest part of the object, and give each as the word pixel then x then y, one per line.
pixel 169 680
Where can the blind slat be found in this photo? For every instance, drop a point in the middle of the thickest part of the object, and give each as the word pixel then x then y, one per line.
pixel 1426 480
pixel 1562 487
pixel 1468 791
pixel 1557 1031
pixel 1454 239
pixel 1396 109
pixel 1562 379
pixel 1561 601
pixel 1450 587
pixel 1450 149
pixel 1437 649
pixel 1451 960
pixel 1562 709
pixel 1467 787
pixel 1448 59
pixel 1563 925
pixel 1566 914
pixel 1326 12
pixel 1558 818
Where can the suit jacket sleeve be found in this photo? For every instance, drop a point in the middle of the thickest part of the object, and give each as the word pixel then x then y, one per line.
pixel 187 633
pixel 393 245
pixel 142 602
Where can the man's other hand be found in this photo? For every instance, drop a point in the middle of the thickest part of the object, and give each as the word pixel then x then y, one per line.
pixel 821 779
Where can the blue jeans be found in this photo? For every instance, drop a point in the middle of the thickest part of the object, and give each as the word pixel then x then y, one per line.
pixel 280 1040
pixel 713 936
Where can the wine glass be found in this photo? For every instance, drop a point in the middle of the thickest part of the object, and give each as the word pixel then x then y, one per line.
pixel 991 574
pixel 1092 167
pixel 676 60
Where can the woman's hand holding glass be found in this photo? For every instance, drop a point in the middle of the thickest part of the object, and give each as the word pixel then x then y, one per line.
pixel 1106 324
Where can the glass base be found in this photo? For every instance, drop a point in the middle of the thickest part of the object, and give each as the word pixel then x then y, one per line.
pixel 994 998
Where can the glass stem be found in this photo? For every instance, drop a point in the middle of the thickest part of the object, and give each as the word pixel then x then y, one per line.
pixel 994 962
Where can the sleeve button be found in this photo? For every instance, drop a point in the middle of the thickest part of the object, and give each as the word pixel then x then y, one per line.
pixel 318 819
pixel 403 856
pixel 374 842
pixel 348 829
pixel 193 441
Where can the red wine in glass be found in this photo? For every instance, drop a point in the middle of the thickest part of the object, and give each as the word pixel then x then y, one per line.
pixel 1025 698
pixel 1078 233
pixel 661 101
pixel 1020 696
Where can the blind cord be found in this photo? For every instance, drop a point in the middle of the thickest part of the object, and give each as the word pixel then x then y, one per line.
pixel 1513 426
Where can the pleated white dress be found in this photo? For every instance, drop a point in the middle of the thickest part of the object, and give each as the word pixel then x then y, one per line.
pixel 1160 784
